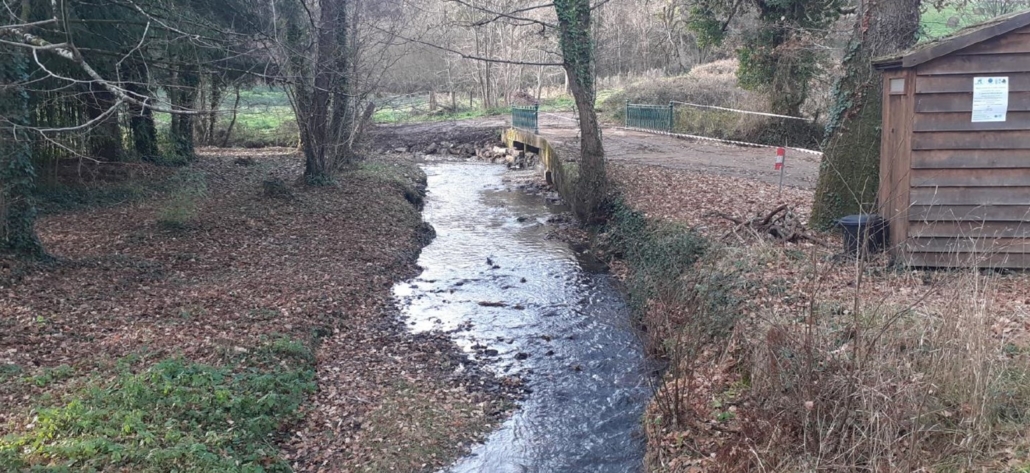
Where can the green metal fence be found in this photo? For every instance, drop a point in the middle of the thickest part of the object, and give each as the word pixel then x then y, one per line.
pixel 526 118
pixel 652 117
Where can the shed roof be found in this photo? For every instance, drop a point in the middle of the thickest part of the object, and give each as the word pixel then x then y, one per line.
pixel 961 39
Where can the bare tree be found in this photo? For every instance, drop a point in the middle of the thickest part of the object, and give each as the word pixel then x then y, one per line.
pixel 313 52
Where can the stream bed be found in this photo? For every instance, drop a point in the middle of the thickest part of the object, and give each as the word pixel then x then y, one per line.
pixel 530 307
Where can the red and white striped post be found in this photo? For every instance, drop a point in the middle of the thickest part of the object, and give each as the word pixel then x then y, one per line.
pixel 781 159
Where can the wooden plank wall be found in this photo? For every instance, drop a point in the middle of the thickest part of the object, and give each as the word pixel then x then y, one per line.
pixel 969 182
pixel 895 152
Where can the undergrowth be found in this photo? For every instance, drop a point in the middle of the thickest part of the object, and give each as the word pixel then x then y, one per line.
pixel 70 190
pixel 877 386
pixel 666 291
pixel 768 371
pixel 659 253
pixel 181 205
pixel 61 198
pixel 173 416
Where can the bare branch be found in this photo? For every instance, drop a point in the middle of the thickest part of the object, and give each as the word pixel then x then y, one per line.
pixel 512 15
pixel 29 25
pixel 477 58
pixel 36 44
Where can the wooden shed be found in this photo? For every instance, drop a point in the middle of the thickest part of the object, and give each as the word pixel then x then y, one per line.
pixel 955 155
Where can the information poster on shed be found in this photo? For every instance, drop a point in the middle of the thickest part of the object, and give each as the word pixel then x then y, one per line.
pixel 990 99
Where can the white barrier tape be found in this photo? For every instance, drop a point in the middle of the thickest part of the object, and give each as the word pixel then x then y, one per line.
pixel 718 140
pixel 741 111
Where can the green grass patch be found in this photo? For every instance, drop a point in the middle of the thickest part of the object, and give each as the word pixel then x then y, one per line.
pixel 9 370
pixel 49 376
pixel 173 416
pixel 416 109
pixel 181 206
pixel 558 104
pixel 935 23
pixel 393 116
pixel 260 97
pixel 954 15
pixel 410 180
pixel 264 118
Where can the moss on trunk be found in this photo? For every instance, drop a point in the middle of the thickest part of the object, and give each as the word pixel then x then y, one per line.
pixel 17 173
pixel 578 59
pixel 849 176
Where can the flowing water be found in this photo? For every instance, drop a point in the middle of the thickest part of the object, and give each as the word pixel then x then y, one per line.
pixel 530 306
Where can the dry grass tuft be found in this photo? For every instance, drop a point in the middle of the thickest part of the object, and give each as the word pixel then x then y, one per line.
pixel 832 364
pixel 879 386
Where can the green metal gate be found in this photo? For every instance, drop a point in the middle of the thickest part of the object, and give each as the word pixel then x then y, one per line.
pixel 652 117
pixel 526 118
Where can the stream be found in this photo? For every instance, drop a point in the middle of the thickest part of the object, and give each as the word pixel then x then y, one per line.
pixel 532 307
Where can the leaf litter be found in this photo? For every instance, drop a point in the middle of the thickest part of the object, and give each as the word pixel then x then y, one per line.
pixel 785 279
pixel 244 267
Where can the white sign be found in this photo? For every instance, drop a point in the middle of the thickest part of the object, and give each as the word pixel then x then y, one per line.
pixel 990 99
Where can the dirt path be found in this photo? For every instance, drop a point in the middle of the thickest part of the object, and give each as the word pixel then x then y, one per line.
pixel 633 147
pixel 622 147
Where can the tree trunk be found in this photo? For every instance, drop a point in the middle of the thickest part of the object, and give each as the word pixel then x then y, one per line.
pixel 200 120
pixel 17 173
pixel 105 139
pixel 539 83
pixel 324 124
pixel 144 133
pixel 578 60
pixel 216 101
pixel 184 98
pixel 235 113
pixel 849 175
pixel 141 119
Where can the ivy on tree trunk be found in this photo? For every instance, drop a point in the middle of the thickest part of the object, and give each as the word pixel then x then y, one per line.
pixel 184 98
pixel 105 139
pixel 141 119
pixel 17 173
pixel 850 172
pixel 578 60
